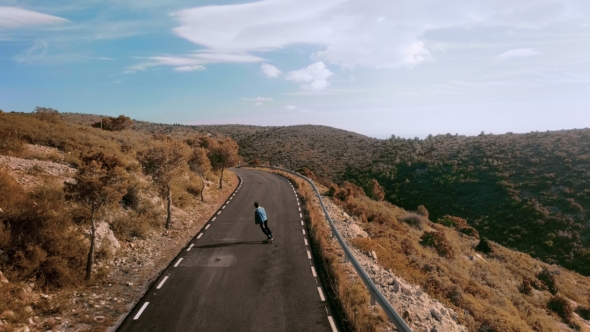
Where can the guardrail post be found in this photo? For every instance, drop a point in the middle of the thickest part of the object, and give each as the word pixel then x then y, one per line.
pixel 373 301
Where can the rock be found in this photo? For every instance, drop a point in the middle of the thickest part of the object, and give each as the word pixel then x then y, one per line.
pixel 7 314
pixel 28 309
pixel 357 231
pixel 23 329
pixel 129 283
pixel 105 238
pixel 373 254
pixel 3 278
pixel 395 287
pixel 436 315
pixel 406 291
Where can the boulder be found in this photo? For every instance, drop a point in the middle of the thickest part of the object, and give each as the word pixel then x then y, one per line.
pixel 357 231
pixel 105 238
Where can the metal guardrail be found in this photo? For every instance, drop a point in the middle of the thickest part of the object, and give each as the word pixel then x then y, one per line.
pixel 375 293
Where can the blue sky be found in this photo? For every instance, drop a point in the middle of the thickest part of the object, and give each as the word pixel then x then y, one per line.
pixel 376 67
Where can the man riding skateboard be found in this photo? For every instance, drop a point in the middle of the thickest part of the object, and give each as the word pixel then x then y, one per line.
pixel 260 218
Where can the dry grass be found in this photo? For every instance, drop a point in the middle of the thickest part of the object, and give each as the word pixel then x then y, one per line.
pixel 485 289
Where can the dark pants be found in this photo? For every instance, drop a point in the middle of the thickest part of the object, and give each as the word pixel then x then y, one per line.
pixel 265 229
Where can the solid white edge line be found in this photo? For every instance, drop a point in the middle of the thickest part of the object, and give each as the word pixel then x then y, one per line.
pixel 207 226
pixel 190 247
pixel 178 262
pixel 334 329
pixel 198 237
pixel 305 240
pixel 313 271
pixel 321 294
pixel 162 282
pixel 303 230
pixel 308 254
pixel 141 310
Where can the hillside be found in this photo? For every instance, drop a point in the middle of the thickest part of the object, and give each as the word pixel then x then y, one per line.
pixel 529 192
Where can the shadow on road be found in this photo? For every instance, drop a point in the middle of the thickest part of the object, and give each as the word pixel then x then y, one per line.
pixel 230 244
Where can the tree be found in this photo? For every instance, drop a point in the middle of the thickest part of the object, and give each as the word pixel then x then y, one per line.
pixel 164 160
pixel 47 114
pixel 100 180
pixel 200 164
pixel 114 124
pixel 377 192
pixel 223 154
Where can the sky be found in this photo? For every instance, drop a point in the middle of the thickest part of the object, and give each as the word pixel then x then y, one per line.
pixel 375 67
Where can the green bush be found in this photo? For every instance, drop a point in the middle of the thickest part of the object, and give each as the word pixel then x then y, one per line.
pixel 562 307
pixel 438 241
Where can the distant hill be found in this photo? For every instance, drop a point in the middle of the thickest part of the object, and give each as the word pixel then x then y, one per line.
pixel 529 191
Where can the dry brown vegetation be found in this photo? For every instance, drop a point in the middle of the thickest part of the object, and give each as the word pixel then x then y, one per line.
pixel 501 290
pixel 44 242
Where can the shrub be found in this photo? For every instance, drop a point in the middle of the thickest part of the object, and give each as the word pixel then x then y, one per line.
pixel 438 241
pixel 526 287
pixel 413 220
pixel 584 312
pixel 114 124
pixel 421 210
pixel 451 221
pixel 484 246
pixel 47 114
pixel 549 280
pixel 470 231
pixel 562 307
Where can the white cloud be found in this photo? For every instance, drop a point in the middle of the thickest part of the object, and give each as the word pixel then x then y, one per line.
pixel 35 52
pixel 259 100
pixel 194 61
pixel 190 68
pixel 270 70
pixel 518 53
pixel 371 33
pixel 14 18
pixel 313 77
pixel 290 107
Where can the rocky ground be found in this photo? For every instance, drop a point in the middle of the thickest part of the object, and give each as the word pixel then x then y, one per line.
pixel 126 275
pixel 419 311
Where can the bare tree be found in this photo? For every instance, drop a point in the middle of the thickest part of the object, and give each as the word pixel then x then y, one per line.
pixel 100 180
pixel 164 160
pixel 200 164
pixel 223 154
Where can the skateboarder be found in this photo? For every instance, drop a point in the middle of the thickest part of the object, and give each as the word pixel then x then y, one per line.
pixel 260 218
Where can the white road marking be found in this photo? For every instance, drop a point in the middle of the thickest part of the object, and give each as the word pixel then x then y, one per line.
pixel 198 237
pixel 305 240
pixel 178 262
pixel 300 215
pixel 190 247
pixel 303 230
pixel 218 213
pixel 308 254
pixel 297 203
pixel 223 207
pixel 162 282
pixel 207 226
pixel 213 219
pixel 141 310
pixel 321 294
pixel 299 209
pixel 313 271
pixel 302 223
pixel 334 329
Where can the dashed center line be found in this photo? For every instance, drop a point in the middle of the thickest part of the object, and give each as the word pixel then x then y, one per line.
pixel 162 282
pixel 198 237
pixel 141 310
pixel 178 262
pixel 190 247
pixel 321 294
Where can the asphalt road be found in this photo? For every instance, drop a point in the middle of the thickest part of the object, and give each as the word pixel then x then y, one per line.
pixel 227 279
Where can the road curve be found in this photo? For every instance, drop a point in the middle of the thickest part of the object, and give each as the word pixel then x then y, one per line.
pixel 227 279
